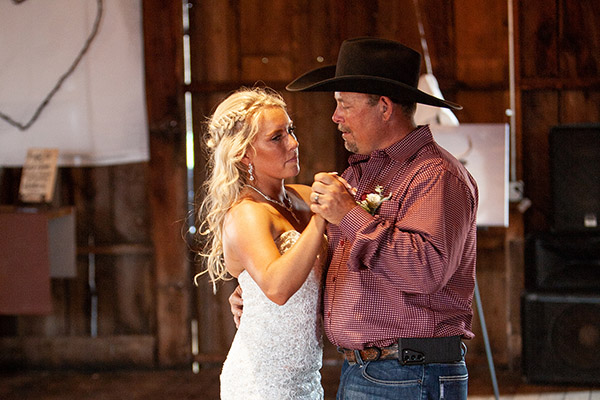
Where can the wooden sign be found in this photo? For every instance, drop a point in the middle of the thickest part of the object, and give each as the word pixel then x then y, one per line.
pixel 39 176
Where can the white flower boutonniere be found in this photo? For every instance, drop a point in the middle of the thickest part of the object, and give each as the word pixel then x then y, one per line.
pixel 371 201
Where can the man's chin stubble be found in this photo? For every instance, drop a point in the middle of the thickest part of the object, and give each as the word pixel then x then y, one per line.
pixel 351 147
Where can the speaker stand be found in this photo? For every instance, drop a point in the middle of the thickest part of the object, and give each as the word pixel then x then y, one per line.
pixel 486 341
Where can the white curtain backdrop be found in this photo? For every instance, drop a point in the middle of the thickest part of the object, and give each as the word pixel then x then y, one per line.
pixel 98 116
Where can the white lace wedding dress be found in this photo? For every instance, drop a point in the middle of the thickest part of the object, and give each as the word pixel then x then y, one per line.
pixel 277 351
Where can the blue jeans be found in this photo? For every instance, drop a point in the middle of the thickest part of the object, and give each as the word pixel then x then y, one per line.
pixel 389 379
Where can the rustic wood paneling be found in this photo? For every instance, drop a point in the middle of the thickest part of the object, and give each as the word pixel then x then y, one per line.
pixel 491 279
pixel 438 24
pixel 264 28
pixel 100 209
pixel 353 18
pixel 540 110
pixel 78 352
pixel 220 23
pixel 481 42
pixel 163 35
pixel 538 38
pixel 397 20
pixel 579 106
pixel 482 106
pixel 579 39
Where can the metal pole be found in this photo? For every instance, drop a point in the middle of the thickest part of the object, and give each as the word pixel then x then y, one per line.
pixel 486 341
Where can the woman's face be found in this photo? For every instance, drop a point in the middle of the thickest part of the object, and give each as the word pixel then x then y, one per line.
pixel 275 148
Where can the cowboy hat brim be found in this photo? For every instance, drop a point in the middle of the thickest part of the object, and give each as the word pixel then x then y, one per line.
pixel 324 79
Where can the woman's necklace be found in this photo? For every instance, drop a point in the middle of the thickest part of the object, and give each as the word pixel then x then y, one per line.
pixel 279 203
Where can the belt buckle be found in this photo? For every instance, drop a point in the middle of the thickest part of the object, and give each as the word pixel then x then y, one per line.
pixel 412 357
pixel 378 353
pixel 358 355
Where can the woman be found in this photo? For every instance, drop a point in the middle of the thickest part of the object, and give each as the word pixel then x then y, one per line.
pixel 253 222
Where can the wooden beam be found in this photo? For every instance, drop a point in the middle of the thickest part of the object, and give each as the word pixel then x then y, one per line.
pixel 78 352
pixel 163 37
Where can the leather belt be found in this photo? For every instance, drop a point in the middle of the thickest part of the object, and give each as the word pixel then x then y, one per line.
pixel 411 351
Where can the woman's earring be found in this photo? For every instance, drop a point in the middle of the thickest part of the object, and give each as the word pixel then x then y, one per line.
pixel 250 170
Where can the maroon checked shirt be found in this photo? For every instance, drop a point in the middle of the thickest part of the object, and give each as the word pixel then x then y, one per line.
pixel 409 270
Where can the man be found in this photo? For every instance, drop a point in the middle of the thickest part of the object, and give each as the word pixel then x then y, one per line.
pixel 399 287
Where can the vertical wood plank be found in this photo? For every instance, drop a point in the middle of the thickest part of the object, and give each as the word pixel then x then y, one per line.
pixel 579 39
pixel 352 18
pixel 264 27
pixel 540 110
pixel 216 58
pixel 134 298
pixel 438 24
pixel 396 20
pixel 481 42
pixel 491 278
pixel 163 38
pixel 538 38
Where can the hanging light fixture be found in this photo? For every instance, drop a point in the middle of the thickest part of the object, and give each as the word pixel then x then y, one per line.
pixel 428 83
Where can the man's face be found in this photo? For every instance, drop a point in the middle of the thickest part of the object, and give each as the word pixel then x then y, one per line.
pixel 358 121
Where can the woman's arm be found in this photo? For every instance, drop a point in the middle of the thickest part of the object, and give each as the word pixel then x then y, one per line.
pixel 249 244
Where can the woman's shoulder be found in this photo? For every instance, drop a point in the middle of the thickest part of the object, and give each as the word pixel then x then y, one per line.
pixel 246 215
pixel 247 211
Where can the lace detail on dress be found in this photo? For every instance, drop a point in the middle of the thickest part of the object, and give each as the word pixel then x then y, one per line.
pixel 277 351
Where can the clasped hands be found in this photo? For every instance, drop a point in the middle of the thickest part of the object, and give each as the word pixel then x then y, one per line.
pixel 332 197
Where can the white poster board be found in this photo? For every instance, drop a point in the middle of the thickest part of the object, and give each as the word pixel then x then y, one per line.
pixel 484 150
pixel 98 115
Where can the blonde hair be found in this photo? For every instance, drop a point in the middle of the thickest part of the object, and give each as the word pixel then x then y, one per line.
pixel 229 133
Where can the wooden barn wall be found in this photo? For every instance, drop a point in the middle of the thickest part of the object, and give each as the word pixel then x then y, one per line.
pixel 130 217
pixel 106 314
pixel 560 84
pixel 129 220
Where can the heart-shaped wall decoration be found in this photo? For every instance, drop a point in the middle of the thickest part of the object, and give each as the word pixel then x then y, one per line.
pixel 22 70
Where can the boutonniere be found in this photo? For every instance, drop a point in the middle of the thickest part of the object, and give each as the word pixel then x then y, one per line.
pixel 370 202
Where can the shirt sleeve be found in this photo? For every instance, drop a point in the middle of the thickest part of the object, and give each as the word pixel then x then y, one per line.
pixel 419 244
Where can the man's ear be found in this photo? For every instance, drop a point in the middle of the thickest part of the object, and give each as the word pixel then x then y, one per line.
pixel 386 107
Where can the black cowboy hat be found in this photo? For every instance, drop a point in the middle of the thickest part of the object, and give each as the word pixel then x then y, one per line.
pixel 372 66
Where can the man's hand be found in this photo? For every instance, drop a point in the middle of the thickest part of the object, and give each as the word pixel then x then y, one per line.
pixel 237 304
pixel 332 197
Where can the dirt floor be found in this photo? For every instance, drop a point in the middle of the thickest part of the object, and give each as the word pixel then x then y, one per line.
pixel 184 384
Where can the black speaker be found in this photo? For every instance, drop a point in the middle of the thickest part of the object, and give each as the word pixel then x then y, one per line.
pixel 562 262
pixel 575 177
pixel 561 338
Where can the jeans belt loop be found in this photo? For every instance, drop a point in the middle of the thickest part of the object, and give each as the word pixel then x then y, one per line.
pixel 359 359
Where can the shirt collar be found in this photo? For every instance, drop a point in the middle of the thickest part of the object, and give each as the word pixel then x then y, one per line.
pixel 400 150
